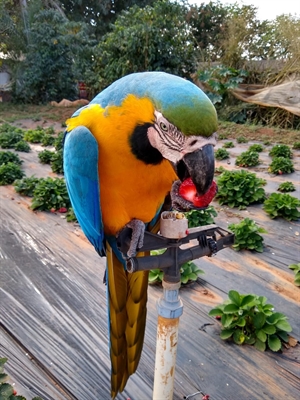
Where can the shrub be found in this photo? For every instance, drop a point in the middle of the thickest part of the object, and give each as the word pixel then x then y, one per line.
pixel 222 136
pixel 57 164
pixel 286 187
pixel 281 150
pixel 247 235
pixel 201 217
pixel 45 156
pixel 296 269
pixel 249 319
pixel 247 159
pixel 296 146
pixel 26 185
pixel 8 156
pixel 228 145
pixel 241 139
pixel 256 147
pixel 9 137
pixel 221 154
pixel 9 173
pixel 22 146
pixel 240 188
pixel 281 165
pixel 47 140
pixel 34 135
pixel 58 143
pixel 282 205
pixel 50 194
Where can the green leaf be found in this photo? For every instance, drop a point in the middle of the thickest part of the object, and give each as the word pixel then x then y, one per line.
pixel 259 320
pixel 269 329
pixel 259 345
pixel 226 333
pixel 283 336
pixel 228 320
pixel 230 309
pixel 247 299
pixel 6 390
pixel 274 343
pixel 3 377
pixel 215 312
pixel 238 336
pixel 235 297
pixel 284 326
pixel 261 335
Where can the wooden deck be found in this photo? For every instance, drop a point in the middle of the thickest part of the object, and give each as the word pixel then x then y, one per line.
pixel 53 310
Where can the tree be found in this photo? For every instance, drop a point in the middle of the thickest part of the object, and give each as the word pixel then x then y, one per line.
pixel 153 38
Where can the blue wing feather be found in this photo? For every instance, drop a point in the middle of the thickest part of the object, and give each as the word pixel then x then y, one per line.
pixel 82 179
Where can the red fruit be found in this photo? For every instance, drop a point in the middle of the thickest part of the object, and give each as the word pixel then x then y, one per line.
pixel 218 317
pixel 62 210
pixel 188 191
pixel 15 392
pixel 205 397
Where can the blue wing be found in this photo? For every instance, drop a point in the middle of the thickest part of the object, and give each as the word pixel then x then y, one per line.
pixel 82 179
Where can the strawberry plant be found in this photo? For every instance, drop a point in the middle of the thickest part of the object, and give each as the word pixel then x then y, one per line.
pixel 57 162
pixel 50 194
pixel 228 145
pixel 219 170
pixel 34 135
pixel 22 146
pixel 9 173
pixel 201 217
pixel 26 186
pixel 281 150
pixel 9 136
pixel 71 217
pixel 222 136
pixel 240 188
pixel 256 147
pixel 221 154
pixel 247 159
pixel 247 235
pixel 241 139
pixel 296 145
pixel 8 156
pixel 47 140
pixel 296 269
pixel 281 165
pixel 45 156
pixel 7 392
pixel 249 319
pixel 58 144
pixel 282 205
pixel 286 187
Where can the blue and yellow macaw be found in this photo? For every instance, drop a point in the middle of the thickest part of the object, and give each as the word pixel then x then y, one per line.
pixel 123 153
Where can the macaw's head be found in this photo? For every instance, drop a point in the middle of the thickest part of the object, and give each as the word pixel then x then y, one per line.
pixel 183 132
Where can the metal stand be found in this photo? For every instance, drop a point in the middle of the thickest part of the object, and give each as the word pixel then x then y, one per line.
pixel 175 233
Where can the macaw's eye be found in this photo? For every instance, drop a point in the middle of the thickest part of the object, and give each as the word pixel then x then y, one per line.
pixel 163 127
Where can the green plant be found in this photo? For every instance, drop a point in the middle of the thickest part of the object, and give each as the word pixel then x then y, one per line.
pixel 249 319
pixel 281 165
pixel 281 150
pixel 26 185
pixel 266 142
pixel 9 136
pixel 286 187
pixel 221 154
pixel 282 205
pixel 22 146
pixel 247 235
pixel 58 143
pixel 247 159
pixel 155 275
pixel 71 217
pixel 201 217
pixel 49 131
pixel 45 156
pixel 222 136
pixel 296 145
pixel 34 135
pixel 219 170
pixel 228 145
pixel 256 147
pixel 296 269
pixel 8 156
pixel 7 392
pixel 9 173
pixel 57 162
pixel 240 188
pixel 241 139
pixel 50 194
pixel 47 140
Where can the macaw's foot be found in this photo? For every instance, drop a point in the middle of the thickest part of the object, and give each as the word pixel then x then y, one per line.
pixel 137 236
pixel 178 202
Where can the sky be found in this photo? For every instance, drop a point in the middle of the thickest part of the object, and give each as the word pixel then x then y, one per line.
pixel 266 9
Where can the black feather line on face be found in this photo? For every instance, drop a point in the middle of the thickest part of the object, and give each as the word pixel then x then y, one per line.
pixel 141 147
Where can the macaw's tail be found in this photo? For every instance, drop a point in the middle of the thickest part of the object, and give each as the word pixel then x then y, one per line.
pixel 127 297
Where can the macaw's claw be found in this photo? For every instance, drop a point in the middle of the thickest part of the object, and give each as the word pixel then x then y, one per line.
pixel 137 236
pixel 178 202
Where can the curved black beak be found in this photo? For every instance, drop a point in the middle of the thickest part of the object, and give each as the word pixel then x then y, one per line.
pixel 200 166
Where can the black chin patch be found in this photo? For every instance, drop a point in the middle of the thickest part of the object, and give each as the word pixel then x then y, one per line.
pixel 141 147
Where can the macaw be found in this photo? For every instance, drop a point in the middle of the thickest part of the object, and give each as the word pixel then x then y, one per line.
pixel 123 154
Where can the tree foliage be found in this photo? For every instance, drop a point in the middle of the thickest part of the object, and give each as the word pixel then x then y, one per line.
pixel 153 38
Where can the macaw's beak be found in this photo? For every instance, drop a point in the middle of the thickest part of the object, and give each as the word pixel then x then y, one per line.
pixel 200 166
